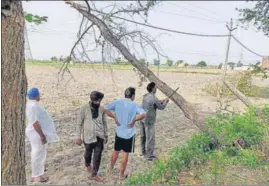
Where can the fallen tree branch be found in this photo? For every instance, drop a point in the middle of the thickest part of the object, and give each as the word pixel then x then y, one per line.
pixel 183 104
pixel 237 93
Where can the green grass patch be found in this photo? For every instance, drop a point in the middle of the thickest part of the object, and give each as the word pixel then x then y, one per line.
pixel 235 139
pixel 232 156
pixel 128 66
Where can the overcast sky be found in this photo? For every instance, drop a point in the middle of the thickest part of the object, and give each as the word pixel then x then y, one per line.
pixel 57 36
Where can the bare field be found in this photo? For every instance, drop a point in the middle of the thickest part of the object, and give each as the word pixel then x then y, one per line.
pixel 65 163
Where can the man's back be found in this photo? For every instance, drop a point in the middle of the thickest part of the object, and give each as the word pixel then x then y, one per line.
pixel 37 112
pixel 125 110
pixel 150 104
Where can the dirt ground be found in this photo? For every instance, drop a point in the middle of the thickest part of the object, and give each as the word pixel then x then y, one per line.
pixel 65 163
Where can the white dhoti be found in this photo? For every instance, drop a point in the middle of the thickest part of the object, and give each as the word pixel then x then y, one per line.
pixel 38 155
pixel 38 158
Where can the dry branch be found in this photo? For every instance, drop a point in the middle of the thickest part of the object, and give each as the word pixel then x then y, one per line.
pixel 237 93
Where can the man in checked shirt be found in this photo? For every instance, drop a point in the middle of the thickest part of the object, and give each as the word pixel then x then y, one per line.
pixel 147 126
pixel 92 131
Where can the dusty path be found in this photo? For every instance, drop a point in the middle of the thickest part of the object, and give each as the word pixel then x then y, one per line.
pixel 65 162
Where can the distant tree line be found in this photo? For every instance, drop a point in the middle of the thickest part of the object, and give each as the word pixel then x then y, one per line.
pixel 155 62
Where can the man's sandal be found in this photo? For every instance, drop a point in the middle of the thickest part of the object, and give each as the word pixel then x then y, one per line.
pixel 97 178
pixel 123 178
pixel 40 179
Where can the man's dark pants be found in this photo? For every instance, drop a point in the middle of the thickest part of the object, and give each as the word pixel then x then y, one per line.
pixel 96 148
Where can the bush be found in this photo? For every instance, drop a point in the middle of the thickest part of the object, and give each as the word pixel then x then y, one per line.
pixel 244 129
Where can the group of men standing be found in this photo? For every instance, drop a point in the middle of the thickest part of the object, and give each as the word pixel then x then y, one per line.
pixel 92 129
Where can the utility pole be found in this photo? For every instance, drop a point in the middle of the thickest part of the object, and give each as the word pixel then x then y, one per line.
pixel 27 49
pixel 230 28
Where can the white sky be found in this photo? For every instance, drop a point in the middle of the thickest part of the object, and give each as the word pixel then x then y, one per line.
pixel 57 36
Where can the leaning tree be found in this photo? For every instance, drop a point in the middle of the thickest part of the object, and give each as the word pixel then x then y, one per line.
pixel 108 25
pixel 14 85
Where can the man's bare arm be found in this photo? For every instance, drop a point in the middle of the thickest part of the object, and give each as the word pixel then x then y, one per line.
pixel 40 132
pixel 113 116
pixel 38 129
pixel 139 117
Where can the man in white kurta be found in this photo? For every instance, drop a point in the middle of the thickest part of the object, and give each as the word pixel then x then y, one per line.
pixel 40 131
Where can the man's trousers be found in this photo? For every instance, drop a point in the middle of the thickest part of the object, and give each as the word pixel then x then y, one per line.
pixel 96 149
pixel 147 139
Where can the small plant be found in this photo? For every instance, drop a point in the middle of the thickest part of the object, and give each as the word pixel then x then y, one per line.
pixel 76 102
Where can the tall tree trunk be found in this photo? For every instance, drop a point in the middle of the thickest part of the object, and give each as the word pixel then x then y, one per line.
pixel 14 84
pixel 184 105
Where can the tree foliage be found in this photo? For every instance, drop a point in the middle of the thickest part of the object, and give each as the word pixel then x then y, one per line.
pixel 220 66
pixel 169 62
pixel 156 62
pixel 257 69
pixel 239 64
pixel 231 64
pixel 35 18
pixel 179 62
pixel 54 58
pixel 258 16
pixel 201 64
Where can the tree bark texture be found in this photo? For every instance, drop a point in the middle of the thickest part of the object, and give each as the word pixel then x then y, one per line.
pixel 183 104
pixel 14 84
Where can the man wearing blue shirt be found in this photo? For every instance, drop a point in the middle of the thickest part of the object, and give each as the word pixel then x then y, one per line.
pixel 127 113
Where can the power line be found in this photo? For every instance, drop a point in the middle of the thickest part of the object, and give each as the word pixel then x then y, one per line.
pixel 169 30
pixel 195 5
pixel 192 17
pixel 204 54
pixel 218 20
pixel 186 33
pixel 246 47
pixel 53 31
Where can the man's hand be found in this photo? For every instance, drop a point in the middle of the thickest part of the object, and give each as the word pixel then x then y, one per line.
pixel 78 141
pixel 43 140
pixel 165 100
pixel 117 121
pixel 130 125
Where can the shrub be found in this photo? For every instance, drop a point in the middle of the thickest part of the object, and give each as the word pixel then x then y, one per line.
pixel 245 128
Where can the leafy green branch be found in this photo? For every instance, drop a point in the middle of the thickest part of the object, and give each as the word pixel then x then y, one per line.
pixel 35 18
pixel 259 16
pixel 257 69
